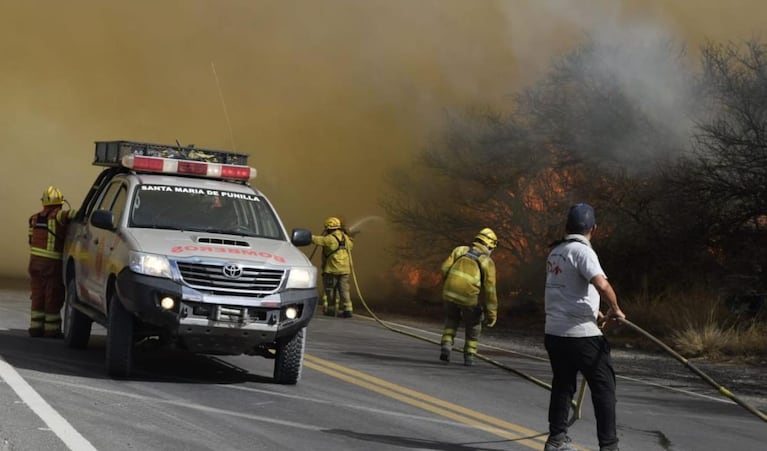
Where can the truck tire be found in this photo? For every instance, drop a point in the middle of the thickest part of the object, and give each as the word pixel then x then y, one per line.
pixel 119 352
pixel 290 359
pixel 77 325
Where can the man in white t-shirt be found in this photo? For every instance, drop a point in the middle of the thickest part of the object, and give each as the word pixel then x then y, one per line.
pixel 575 284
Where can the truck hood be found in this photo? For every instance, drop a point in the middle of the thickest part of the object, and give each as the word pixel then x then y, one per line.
pixel 178 245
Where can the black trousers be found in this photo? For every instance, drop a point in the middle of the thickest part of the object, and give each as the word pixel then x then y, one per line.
pixel 591 357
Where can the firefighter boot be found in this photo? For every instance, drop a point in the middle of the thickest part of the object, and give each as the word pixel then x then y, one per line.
pixel 332 309
pixel 444 353
pixel 324 304
pixel 52 326
pixel 35 332
pixel 468 359
pixel 36 323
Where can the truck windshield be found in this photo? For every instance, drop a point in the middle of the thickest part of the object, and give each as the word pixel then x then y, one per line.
pixel 202 210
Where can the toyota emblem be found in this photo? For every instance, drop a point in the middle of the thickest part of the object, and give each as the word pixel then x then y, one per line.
pixel 233 271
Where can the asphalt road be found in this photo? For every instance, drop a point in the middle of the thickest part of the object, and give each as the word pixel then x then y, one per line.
pixel 363 387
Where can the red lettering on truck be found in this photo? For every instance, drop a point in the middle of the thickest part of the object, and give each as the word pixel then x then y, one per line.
pixel 226 250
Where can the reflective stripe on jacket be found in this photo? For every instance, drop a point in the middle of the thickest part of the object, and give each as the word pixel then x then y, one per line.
pixel 46 232
pixel 465 276
pixel 335 260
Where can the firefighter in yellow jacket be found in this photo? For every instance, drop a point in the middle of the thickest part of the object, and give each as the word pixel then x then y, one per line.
pixel 336 266
pixel 47 230
pixel 467 271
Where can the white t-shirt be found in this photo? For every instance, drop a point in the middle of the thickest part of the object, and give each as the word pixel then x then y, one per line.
pixel 572 302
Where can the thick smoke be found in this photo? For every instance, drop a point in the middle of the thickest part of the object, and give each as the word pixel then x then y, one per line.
pixel 636 58
pixel 324 96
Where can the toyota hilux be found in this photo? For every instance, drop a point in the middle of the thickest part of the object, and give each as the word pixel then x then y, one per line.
pixel 173 244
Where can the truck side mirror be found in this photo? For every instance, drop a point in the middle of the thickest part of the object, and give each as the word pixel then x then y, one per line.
pixel 103 219
pixel 301 237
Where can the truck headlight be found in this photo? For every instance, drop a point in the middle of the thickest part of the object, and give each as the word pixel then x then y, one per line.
pixel 150 264
pixel 302 278
pixel 291 312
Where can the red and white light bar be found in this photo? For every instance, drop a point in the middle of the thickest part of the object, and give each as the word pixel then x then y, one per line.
pixel 188 167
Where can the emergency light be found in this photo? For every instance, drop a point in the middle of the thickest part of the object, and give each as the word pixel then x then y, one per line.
pixel 188 167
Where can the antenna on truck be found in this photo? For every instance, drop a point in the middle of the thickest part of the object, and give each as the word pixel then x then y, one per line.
pixel 223 104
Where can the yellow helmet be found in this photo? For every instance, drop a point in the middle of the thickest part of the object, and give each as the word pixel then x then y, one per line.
pixel 332 223
pixel 487 237
pixel 52 196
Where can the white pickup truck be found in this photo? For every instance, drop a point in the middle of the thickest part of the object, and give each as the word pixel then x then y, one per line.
pixel 173 244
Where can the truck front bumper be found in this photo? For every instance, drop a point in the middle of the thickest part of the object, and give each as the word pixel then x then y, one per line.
pixel 208 324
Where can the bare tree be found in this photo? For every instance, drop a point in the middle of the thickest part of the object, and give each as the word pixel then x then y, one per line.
pixel 732 143
pixel 727 178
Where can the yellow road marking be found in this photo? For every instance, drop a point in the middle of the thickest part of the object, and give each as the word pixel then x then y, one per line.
pixel 504 429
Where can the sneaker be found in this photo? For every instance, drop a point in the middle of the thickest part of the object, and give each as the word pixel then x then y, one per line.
pixel 346 314
pixel 559 444
pixel 468 359
pixel 444 354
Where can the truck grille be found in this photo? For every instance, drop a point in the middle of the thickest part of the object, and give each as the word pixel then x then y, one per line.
pixel 214 279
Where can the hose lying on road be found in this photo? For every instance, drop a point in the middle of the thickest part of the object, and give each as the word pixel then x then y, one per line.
pixel 577 403
pixel 724 391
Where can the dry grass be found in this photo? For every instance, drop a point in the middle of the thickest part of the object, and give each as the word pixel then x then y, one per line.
pixel 711 340
pixel 717 342
pixel 749 342
pixel 697 324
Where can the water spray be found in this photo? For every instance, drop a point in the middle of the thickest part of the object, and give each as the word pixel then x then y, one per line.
pixel 356 226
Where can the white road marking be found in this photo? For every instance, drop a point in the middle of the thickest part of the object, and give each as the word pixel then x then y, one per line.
pixel 58 424
pixel 200 407
pixel 190 405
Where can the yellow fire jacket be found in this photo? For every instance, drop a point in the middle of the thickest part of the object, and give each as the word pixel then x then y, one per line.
pixel 335 252
pixel 465 276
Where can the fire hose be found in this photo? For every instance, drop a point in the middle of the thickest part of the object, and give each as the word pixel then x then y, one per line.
pixel 722 390
pixel 577 403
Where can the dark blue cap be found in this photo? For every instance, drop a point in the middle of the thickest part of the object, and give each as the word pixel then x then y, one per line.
pixel 580 218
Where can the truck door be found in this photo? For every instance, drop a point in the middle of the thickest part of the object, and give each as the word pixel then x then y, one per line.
pixel 99 244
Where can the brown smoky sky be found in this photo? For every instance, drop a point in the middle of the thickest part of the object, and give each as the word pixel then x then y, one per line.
pixel 325 95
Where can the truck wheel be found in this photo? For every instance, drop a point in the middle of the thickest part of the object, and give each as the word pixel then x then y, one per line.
pixel 119 353
pixel 290 359
pixel 77 325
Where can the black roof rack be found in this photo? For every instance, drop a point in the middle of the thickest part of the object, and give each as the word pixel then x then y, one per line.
pixel 110 153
